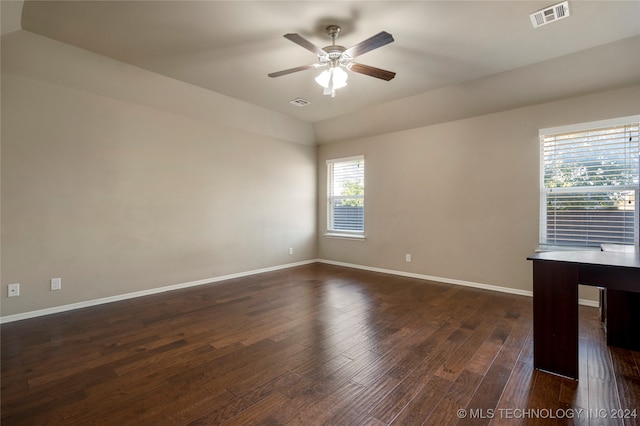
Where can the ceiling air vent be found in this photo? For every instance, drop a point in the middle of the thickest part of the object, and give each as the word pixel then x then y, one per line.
pixel 299 102
pixel 550 14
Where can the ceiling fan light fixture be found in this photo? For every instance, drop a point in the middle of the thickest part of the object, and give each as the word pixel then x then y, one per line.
pixel 340 77
pixel 332 79
pixel 323 78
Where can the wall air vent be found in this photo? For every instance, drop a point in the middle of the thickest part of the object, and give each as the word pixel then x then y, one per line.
pixel 299 102
pixel 550 14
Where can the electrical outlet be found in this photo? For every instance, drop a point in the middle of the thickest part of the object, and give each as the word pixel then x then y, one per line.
pixel 407 257
pixel 13 290
pixel 56 284
pixel 290 250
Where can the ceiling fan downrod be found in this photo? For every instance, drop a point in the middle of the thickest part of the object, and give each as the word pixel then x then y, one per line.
pixel 333 31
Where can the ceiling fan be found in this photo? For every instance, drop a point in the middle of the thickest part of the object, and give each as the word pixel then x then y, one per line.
pixel 338 59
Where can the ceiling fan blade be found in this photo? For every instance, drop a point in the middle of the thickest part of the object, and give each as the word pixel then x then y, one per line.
pixel 301 41
pixel 369 44
pixel 372 71
pixel 292 70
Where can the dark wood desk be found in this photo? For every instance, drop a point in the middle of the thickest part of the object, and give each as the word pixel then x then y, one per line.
pixel 556 276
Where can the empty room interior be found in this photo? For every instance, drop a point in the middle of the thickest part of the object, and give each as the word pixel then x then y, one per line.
pixel 402 213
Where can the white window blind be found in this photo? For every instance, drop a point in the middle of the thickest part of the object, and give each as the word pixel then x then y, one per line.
pixel 589 184
pixel 345 196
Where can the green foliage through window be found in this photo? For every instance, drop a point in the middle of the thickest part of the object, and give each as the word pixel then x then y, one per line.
pixel 586 172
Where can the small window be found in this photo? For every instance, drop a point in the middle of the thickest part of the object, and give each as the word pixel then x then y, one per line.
pixel 589 184
pixel 345 197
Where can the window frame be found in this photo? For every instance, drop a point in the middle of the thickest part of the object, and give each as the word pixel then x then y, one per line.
pixel 544 243
pixel 330 230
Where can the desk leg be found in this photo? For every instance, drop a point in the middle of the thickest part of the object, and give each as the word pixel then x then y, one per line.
pixel 623 319
pixel 555 318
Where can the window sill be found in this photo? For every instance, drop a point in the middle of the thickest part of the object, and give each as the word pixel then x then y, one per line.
pixel 625 248
pixel 545 248
pixel 357 237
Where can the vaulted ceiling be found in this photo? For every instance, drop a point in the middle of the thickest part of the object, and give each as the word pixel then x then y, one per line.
pixel 230 46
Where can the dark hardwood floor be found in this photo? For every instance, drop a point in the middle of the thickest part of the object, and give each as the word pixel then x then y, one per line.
pixel 315 344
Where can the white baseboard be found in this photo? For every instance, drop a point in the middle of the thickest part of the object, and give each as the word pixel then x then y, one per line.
pixel 103 300
pixel 490 287
pixel 587 302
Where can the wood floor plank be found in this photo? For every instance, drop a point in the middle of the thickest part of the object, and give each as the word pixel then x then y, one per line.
pixel 270 410
pixel 484 356
pixel 624 362
pixel 326 408
pixel 515 395
pixel 234 406
pixel 434 353
pixel 460 359
pixel 456 398
pixel 371 396
pixel 545 397
pixel 424 403
pixel 315 344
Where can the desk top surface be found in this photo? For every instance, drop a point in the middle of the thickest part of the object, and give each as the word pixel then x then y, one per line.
pixel 600 258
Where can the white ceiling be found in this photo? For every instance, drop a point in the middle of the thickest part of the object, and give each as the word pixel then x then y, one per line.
pixel 230 46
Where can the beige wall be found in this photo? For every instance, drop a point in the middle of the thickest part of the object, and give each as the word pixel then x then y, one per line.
pixel 118 180
pixel 116 196
pixel 461 197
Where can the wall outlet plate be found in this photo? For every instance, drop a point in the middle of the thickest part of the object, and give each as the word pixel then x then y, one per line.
pixel 56 284
pixel 13 290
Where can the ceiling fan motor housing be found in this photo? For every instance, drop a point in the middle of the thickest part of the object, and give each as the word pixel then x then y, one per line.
pixel 334 53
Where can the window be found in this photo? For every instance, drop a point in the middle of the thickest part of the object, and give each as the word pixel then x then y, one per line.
pixel 345 197
pixel 589 184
